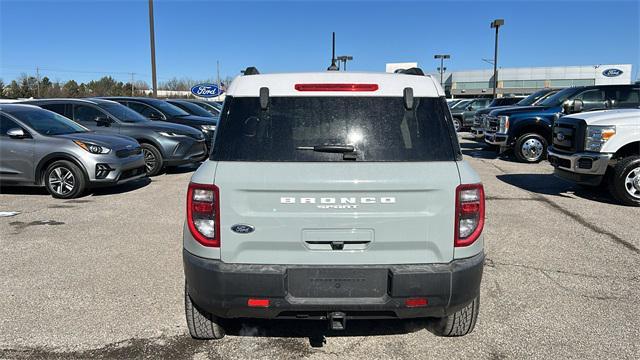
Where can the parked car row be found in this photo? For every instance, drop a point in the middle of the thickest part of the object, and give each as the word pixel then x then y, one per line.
pixel 591 135
pixel 68 145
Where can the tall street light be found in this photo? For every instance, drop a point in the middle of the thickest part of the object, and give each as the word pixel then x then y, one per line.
pixel 344 60
pixel 442 57
pixel 495 24
pixel 152 39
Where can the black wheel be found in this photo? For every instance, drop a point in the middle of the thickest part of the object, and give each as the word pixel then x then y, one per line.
pixel 531 148
pixel 201 324
pixel 457 124
pixel 624 183
pixel 64 180
pixel 459 323
pixel 152 159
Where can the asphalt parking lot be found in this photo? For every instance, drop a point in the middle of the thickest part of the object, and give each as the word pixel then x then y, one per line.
pixel 101 276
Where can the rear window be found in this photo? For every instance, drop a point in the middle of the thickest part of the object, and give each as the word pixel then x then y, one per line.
pixel 378 128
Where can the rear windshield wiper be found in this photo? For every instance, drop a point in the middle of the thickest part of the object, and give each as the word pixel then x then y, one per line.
pixel 334 148
pixel 348 151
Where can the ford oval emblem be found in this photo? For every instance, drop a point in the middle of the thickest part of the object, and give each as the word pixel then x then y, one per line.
pixel 206 90
pixel 242 228
pixel 613 72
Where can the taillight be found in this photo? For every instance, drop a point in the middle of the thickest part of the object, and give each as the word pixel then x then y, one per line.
pixel 336 87
pixel 203 213
pixel 469 214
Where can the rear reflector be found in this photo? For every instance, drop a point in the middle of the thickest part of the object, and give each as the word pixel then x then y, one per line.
pixel 416 302
pixel 258 302
pixel 336 87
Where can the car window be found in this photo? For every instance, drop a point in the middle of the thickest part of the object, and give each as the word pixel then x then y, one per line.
pixel 191 108
pixel 627 97
pixel 379 128
pixel 122 112
pixel 46 122
pixel 57 108
pixel 7 124
pixel 86 114
pixel 145 110
pixel 592 99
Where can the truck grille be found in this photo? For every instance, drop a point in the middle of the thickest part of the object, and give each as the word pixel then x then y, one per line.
pixel 491 124
pixel 568 135
pixel 478 120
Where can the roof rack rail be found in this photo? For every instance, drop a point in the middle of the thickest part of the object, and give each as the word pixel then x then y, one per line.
pixel 410 71
pixel 251 70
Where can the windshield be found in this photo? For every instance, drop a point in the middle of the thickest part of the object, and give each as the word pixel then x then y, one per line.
pixel 533 98
pixel 559 97
pixel 168 109
pixel 122 112
pixel 191 108
pixel 47 122
pixel 296 128
pixel 461 104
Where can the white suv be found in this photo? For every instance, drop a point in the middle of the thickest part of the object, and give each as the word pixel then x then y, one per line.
pixel 334 196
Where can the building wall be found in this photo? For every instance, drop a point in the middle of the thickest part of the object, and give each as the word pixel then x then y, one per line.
pixel 523 81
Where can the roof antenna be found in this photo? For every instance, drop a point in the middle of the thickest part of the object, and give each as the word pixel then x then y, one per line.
pixel 333 66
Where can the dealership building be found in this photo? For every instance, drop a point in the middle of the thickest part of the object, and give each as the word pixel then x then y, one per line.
pixel 524 81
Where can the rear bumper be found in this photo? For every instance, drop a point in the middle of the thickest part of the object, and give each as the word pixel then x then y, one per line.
pixel 224 289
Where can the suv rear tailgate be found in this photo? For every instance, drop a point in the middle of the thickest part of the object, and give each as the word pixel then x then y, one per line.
pixel 337 212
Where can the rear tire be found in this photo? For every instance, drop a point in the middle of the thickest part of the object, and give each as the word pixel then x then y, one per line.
pixel 531 148
pixel 64 180
pixel 201 324
pixel 459 323
pixel 624 184
pixel 152 159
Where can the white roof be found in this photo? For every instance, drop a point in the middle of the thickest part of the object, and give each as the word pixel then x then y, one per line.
pixel 284 84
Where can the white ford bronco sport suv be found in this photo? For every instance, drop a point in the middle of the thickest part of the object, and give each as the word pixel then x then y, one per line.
pixel 334 196
pixel 600 147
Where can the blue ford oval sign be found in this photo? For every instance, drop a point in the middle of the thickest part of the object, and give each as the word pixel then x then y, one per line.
pixel 613 72
pixel 206 90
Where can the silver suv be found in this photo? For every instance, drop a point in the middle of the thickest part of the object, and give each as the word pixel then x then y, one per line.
pixel 334 196
pixel 39 147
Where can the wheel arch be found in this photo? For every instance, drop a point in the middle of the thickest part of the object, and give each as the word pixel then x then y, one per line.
pixel 632 148
pixel 153 142
pixel 534 125
pixel 53 157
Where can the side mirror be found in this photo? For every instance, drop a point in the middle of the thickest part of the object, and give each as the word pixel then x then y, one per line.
pixel 16 133
pixel 577 106
pixel 103 121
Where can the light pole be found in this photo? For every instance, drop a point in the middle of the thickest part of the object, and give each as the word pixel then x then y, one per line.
pixel 333 66
pixel 496 24
pixel 152 39
pixel 442 57
pixel 344 59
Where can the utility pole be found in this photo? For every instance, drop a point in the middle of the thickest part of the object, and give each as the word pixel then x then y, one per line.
pixel 441 69
pixel 218 71
pixel 132 87
pixel 496 24
pixel 38 79
pixel 152 39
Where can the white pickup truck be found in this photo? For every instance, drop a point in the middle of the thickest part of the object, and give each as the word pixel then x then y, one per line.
pixel 601 146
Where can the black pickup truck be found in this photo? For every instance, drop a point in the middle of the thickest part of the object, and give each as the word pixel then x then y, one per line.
pixel 527 129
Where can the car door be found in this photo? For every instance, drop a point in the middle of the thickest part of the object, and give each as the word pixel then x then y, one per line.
pixel 87 115
pixel 16 154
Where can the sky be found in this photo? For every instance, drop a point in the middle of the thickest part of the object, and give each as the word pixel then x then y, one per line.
pixel 84 40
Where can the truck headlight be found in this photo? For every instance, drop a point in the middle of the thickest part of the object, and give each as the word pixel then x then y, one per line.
pixel 92 148
pixel 503 124
pixel 597 136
